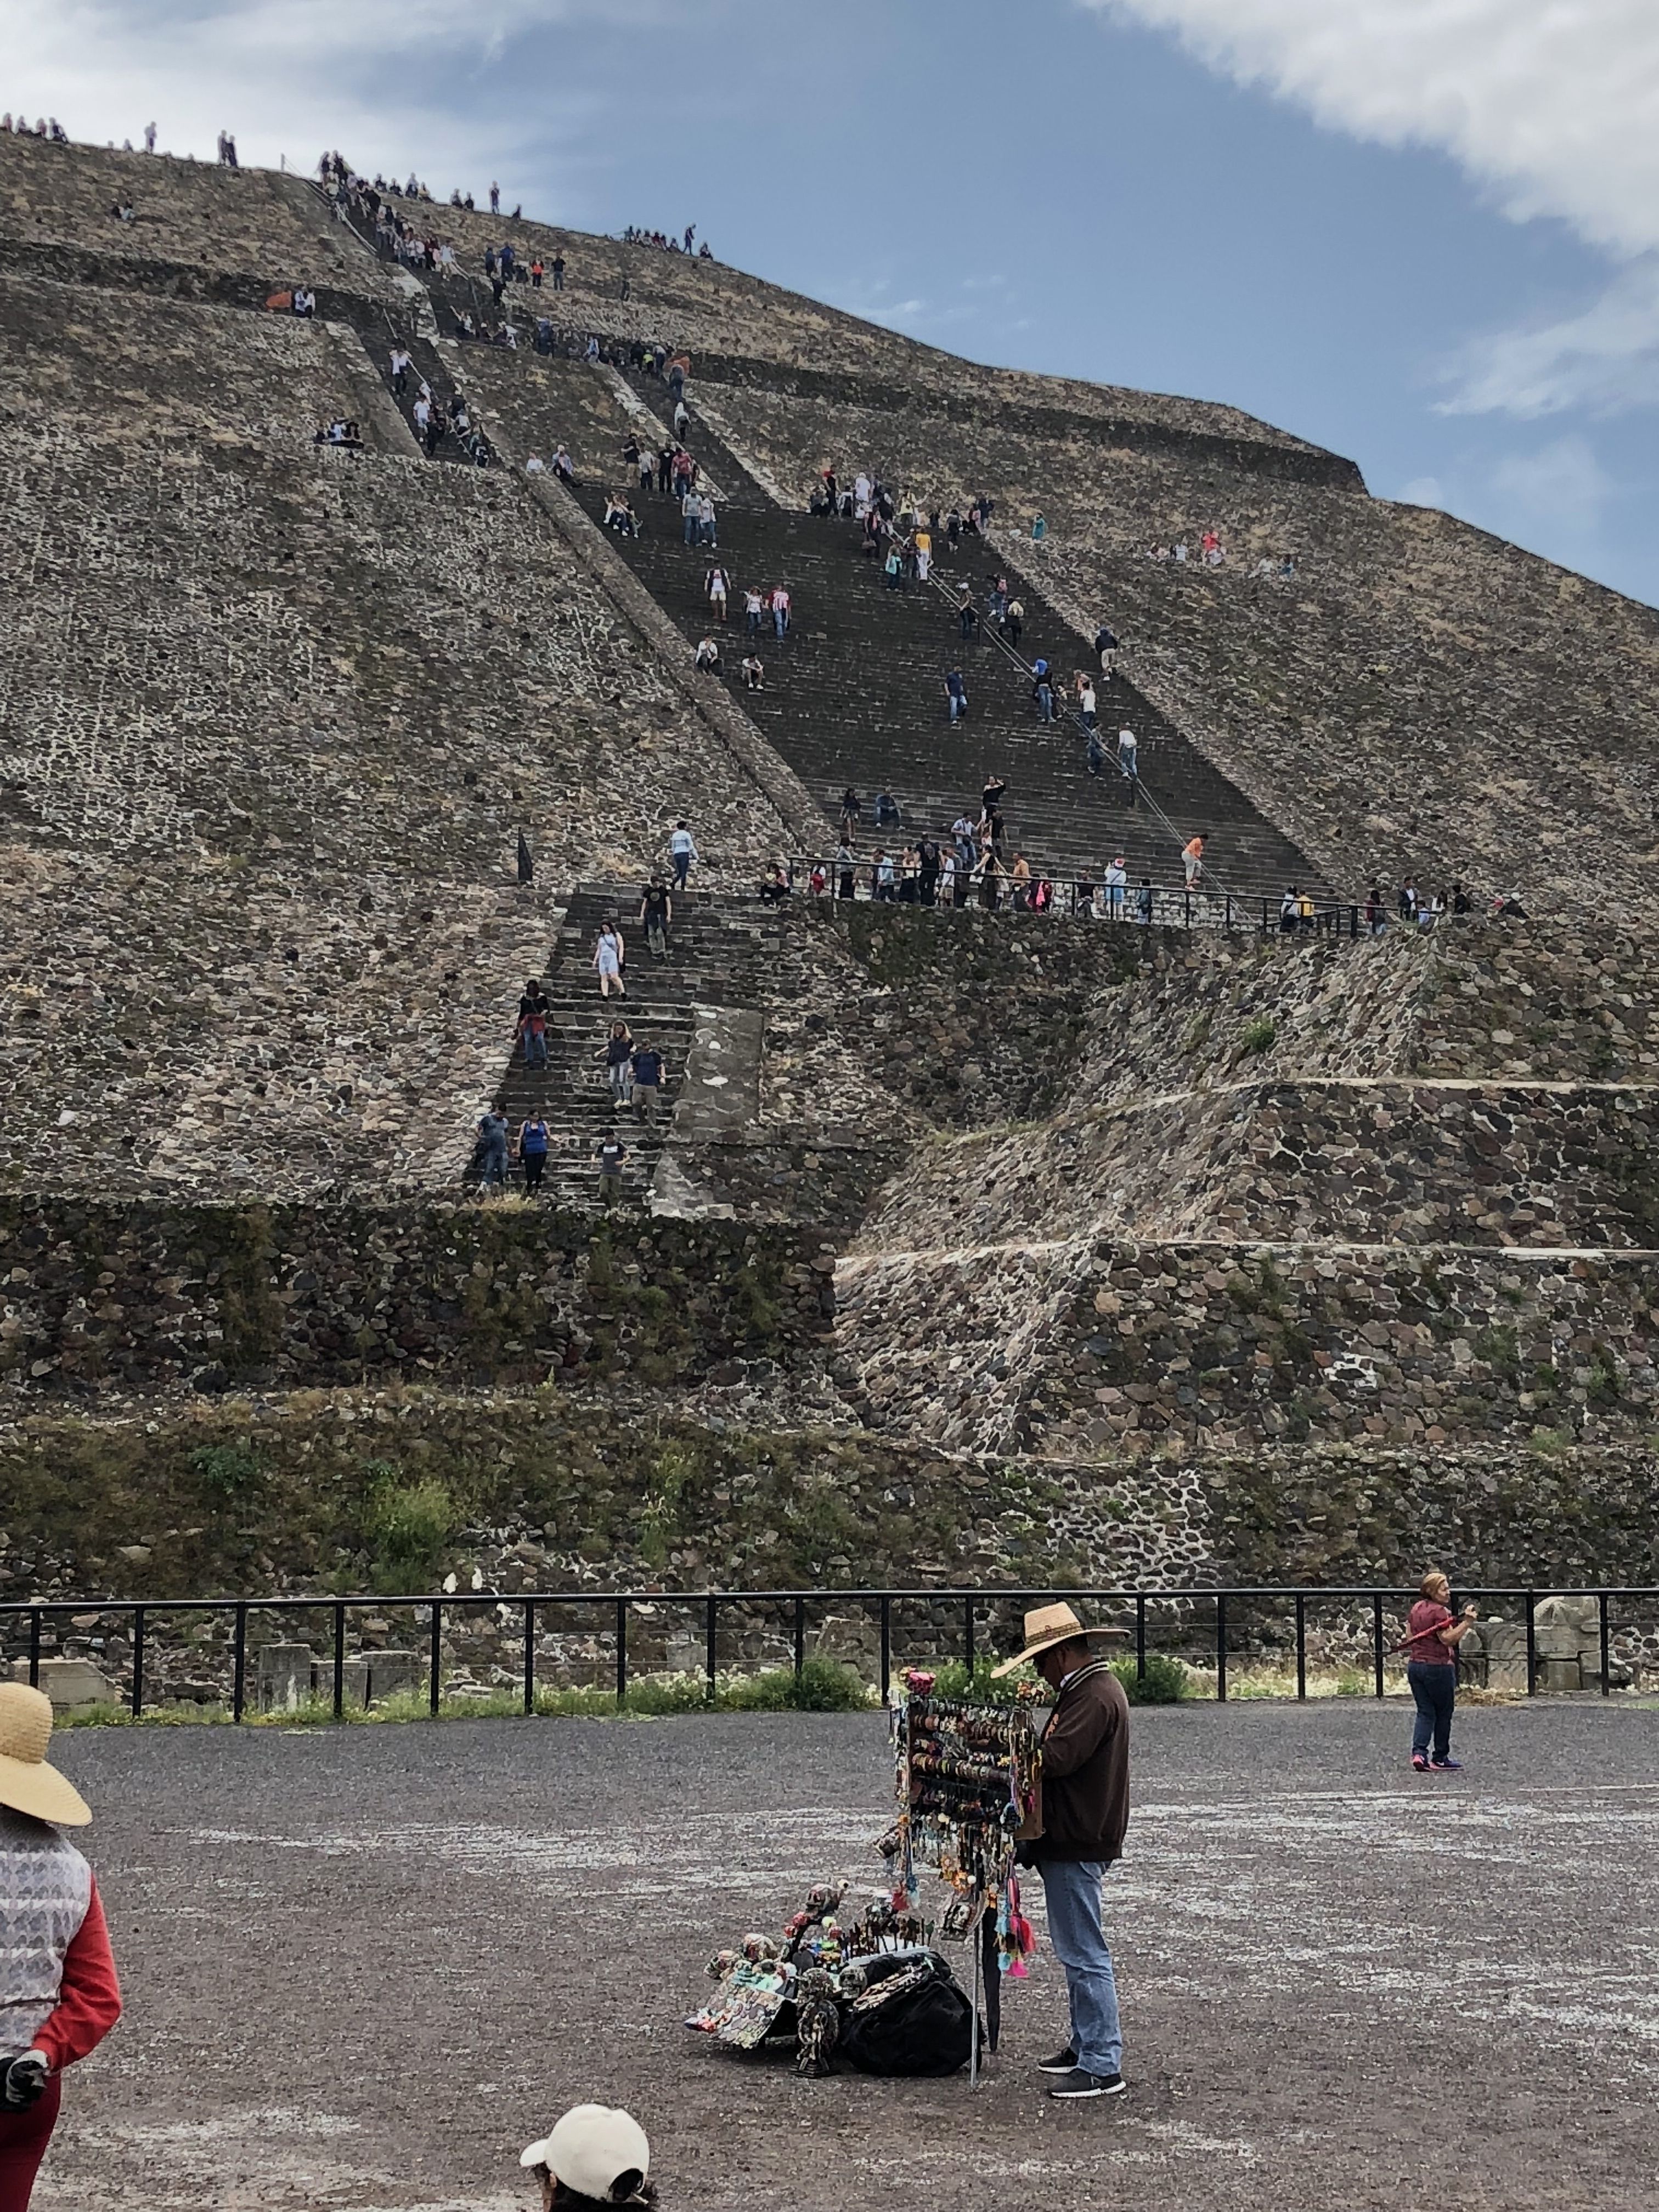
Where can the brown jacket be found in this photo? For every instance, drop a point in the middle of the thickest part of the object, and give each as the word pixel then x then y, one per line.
pixel 1086 1768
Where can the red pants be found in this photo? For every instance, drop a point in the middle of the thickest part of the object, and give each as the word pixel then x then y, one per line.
pixel 23 2140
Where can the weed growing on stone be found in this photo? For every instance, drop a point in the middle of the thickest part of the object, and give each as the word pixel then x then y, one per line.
pixel 1257 1035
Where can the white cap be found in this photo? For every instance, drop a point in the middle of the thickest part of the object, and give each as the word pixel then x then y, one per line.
pixel 591 2148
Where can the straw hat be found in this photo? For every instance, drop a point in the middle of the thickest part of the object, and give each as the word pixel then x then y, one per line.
pixel 1045 1627
pixel 27 1785
pixel 591 2148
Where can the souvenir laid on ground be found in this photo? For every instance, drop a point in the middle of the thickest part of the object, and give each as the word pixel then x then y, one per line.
pixel 968 1781
pixel 846 1986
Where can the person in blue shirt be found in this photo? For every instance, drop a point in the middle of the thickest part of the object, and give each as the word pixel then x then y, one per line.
pixel 532 1150
pixel 648 1081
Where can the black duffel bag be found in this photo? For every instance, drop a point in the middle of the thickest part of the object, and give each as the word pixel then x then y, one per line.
pixel 912 2017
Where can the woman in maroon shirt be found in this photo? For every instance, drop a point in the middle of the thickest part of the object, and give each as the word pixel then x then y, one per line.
pixel 1433 1633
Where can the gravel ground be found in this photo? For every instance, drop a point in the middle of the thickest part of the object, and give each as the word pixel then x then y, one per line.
pixel 364 1967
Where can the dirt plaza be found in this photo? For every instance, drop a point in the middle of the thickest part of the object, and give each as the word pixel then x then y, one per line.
pixel 364 1967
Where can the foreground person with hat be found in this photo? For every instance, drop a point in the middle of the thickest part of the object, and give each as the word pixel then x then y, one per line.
pixel 1084 1810
pixel 58 1994
pixel 595 2156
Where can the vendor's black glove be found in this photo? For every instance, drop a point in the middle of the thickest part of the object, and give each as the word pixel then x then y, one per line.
pixel 22 2081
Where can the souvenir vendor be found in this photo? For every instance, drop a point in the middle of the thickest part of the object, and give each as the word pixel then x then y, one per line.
pixel 1084 1813
pixel 58 1994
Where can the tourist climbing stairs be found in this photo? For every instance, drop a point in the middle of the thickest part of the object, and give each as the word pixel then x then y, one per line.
pixel 855 696
pixel 714 949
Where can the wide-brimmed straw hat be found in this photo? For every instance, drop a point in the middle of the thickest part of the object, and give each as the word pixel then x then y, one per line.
pixel 591 2148
pixel 27 1785
pixel 1045 1627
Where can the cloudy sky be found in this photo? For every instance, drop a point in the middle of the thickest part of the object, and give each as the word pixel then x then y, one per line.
pixel 1423 231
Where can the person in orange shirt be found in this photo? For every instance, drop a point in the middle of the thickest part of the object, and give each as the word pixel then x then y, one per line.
pixel 1192 859
pixel 59 1996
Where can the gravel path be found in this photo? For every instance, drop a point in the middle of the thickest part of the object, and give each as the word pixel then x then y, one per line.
pixel 364 1966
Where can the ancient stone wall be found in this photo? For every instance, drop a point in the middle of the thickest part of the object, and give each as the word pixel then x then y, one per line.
pixel 1397 1163
pixel 551 1491
pixel 1070 1348
pixel 143 1296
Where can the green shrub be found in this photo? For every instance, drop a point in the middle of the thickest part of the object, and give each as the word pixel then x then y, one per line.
pixel 225 1470
pixel 824 1685
pixel 1164 1683
pixel 952 1680
pixel 407 1525
pixel 1257 1034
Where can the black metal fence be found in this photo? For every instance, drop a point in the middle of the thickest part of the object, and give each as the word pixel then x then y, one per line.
pixel 1212 1620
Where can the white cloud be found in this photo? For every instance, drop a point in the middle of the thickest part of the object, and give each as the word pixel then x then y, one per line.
pixel 1604 358
pixel 390 86
pixel 1562 485
pixel 1423 491
pixel 1552 103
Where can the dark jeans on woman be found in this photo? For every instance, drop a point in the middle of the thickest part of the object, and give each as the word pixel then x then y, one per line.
pixel 1435 1689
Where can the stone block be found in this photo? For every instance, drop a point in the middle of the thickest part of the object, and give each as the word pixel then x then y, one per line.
pixel 282 1676
pixel 71 1683
pixel 370 1676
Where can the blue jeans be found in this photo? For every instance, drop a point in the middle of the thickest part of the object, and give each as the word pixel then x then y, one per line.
pixel 780 620
pixel 1072 1889
pixel 1435 1689
pixel 692 529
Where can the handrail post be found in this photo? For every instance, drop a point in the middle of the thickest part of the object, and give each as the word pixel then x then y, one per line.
pixel 339 1661
pixel 1220 1648
pixel 1532 1644
pixel 1140 1636
pixel 1301 1649
pixel 239 1686
pixel 711 1648
pixel 35 1646
pixel 967 1640
pixel 886 1645
pixel 800 1636
pixel 1606 1642
pixel 137 1660
pixel 529 1655
pixel 436 1658
pixel 1376 1637
pixel 621 1653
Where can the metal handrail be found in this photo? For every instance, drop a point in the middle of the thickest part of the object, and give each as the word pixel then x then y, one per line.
pixel 37 1612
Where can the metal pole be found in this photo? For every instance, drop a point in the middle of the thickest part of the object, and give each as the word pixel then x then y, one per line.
pixel 1140 1639
pixel 35 1646
pixel 529 1655
pixel 621 1653
pixel 968 1639
pixel 435 1659
pixel 1220 1648
pixel 339 1662
pixel 800 1636
pixel 1376 1638
pixel 1532 1645
pixel 137 1660
pixel 711 1648
pixel 1607 1642
pixel 1301 1649
pixel 239 1687
pixel 978 1985
pixel 886 1644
